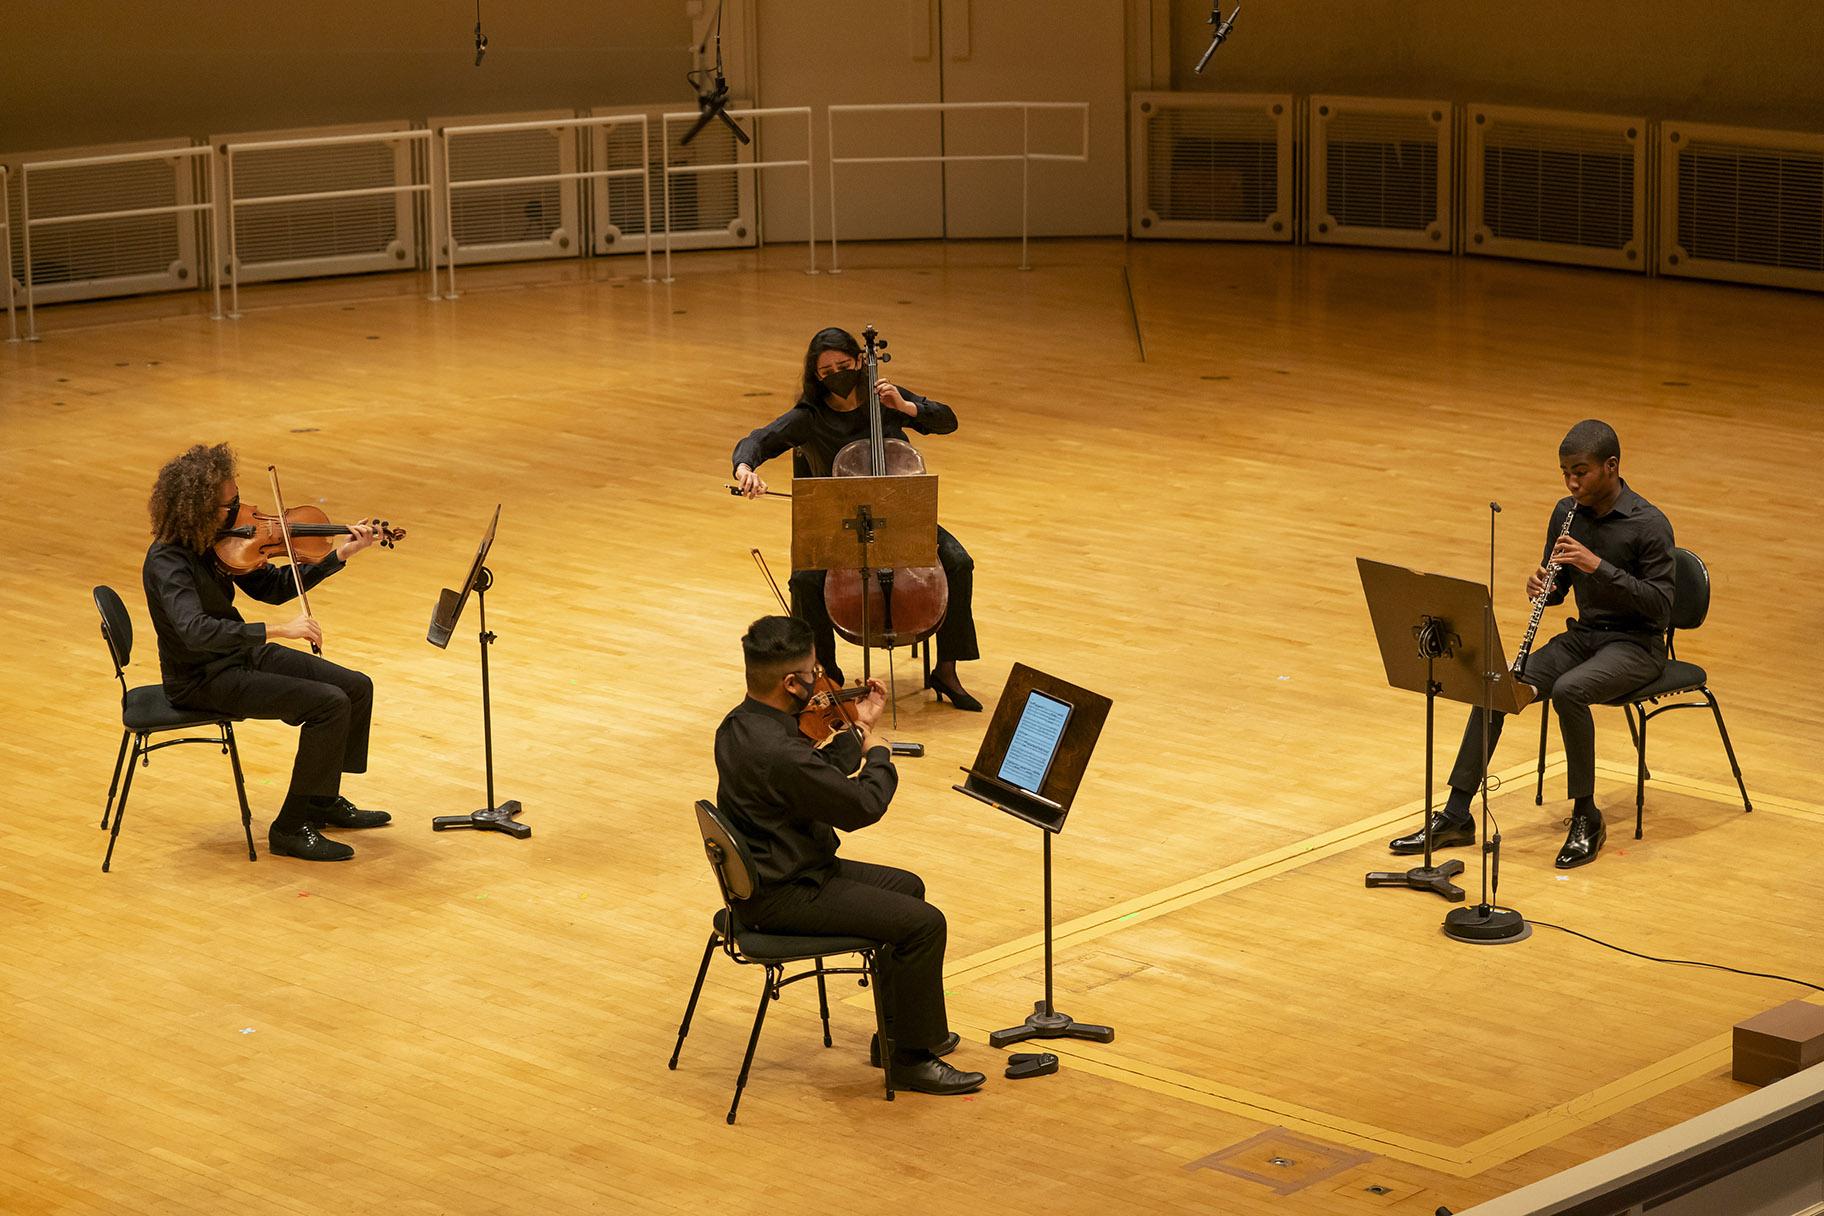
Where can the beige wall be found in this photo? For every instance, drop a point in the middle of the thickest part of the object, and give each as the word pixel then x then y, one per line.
pixel 1752 62
pixel 79 72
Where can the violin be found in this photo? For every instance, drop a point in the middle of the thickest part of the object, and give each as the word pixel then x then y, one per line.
pixel 828 711
pixel 255 537
pixel 904 606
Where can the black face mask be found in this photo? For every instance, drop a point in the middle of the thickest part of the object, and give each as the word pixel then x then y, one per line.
pixel 231 510
pixel 842 383
pixel 800 700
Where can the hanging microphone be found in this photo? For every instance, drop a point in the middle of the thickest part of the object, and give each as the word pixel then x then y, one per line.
pixel 481 44
pixel 1221 33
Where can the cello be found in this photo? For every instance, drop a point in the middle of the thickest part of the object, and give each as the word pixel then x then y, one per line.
pixel 903 606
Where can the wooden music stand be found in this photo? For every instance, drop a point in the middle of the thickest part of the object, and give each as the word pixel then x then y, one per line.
pixel 1436 638
pixel 1044 808
pixel 867 524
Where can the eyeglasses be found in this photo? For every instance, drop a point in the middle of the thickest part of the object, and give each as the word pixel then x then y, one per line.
pixel 815 673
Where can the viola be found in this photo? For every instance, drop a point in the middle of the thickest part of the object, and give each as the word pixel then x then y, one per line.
pixel 255 537
pixel 904 606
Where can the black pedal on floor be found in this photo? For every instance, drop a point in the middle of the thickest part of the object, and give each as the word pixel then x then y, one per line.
pixel 1023 1064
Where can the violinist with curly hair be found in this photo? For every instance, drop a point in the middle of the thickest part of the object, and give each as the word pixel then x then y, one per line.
pixel 212 659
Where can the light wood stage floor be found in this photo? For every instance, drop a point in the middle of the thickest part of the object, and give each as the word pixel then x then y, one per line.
pixel 469 1024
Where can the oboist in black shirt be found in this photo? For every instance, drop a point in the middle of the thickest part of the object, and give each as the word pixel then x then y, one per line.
pixel 213 659
pixel 787 799
pixel 832 411
pixel 1618 558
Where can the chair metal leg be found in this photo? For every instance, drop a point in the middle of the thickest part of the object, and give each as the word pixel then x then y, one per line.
pixel 768 992
pixel 823 1005
pixel 114 782
pixel 882 1027
pixel 691 1009
pixel 120 811
pixel 1545 723
pixel 1627 711
pixel 1717 711
pixel 240 786
pixel 1640 771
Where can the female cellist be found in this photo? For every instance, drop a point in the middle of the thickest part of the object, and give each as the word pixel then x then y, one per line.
pixel 213 660
pixel 830 414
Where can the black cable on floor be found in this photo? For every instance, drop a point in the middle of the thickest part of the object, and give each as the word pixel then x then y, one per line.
pixel 1679 962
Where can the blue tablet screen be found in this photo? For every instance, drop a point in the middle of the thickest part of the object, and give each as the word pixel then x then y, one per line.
pixel 1035 742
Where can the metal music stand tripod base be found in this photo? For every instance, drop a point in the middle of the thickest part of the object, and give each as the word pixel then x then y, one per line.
pixel 1053 1025
pixel 498 819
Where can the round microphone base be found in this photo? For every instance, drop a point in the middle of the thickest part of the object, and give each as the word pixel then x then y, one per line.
pixel 1484 925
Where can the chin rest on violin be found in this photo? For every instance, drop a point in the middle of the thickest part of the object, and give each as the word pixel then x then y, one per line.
pixel 255 537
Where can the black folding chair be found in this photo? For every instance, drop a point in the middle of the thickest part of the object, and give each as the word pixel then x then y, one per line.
pixel 735 875
pixel 1690 605
pixel 146 711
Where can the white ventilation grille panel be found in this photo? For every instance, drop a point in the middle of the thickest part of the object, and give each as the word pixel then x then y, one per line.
pixel 313 237
pixel 1742 205
pixel 1379 173
pixel 708 210
pixel 91 259
pixel 1556 187
pixel 1212 167
pixel 521 220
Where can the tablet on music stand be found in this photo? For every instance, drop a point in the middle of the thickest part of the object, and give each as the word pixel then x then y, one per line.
pixel 450 603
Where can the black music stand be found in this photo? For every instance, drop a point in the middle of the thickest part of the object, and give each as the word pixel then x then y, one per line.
pixel 1436 638
pixel 870 524
pixel 493 817
pixel 1044 807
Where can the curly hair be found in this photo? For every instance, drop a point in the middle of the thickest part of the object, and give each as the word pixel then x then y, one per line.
pixel 183 504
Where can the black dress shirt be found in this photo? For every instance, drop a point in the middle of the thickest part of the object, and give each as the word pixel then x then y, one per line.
pixel 819 432
pixel 786 798
pixel 192 604
pixel 1630 592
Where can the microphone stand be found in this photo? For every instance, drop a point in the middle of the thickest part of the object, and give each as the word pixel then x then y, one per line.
pixel 713 104
pixel 1486 923
pixel 1221 33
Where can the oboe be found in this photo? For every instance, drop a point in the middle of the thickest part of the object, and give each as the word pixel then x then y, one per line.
pixel 1545 593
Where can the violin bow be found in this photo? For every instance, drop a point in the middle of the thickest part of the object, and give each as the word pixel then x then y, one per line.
pixel 841 697
pixel 297 578
pixel 767 573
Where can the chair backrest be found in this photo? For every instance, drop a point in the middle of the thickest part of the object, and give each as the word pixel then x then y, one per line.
pixel 116 629
pixel 728 856
pixel 1691 590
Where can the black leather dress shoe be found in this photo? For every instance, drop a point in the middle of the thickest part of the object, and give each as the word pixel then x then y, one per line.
pixel 1583 841
pixel 307 843
pixel 956 695
pixel 933 1076
pixel 1446 833
pixel 942 1049
pixel 344 814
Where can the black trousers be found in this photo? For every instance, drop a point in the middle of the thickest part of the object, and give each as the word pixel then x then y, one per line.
pixel 1577 669
pixel 887 905
pixel 955 637
pixel 332 704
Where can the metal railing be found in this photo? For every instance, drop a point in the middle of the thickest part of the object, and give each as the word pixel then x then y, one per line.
pixel 1025 155
pixel 6 255
pixel 233 204
pixel 810 208
pixel 550 124
pixel 118 158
